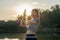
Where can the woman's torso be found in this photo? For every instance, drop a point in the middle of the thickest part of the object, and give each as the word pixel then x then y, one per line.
pixel 32 29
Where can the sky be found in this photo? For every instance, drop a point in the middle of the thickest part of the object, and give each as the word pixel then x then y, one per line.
pixel 8 8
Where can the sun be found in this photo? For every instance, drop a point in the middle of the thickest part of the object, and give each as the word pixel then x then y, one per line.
pixel 21 9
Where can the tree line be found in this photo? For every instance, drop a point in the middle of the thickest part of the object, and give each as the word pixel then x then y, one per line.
pixel 49 18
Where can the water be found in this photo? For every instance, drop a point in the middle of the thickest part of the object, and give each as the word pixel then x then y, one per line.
pixel 9 39
pixel 21 36
pixel 12 36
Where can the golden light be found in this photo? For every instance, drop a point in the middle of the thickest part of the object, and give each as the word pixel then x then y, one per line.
pixel 10 39
pixel 21 9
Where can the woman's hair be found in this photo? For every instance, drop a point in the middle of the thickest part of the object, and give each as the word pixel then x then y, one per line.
pixel 35 10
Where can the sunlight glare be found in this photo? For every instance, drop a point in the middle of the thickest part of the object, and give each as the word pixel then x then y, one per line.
pixel 23 7
pixel 10 39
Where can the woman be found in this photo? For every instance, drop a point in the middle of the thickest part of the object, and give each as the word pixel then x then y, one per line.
pixel 33 26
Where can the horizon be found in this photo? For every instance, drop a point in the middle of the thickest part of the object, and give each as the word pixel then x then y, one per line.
pixel 8 8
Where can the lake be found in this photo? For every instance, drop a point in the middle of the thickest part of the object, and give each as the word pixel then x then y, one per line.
pixel 21 36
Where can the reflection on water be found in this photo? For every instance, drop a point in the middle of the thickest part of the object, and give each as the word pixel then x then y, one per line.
pixel 12 36
pixel 21 36
pixel 9 39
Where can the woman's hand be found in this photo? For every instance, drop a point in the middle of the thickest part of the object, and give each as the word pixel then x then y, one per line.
pixel 31 22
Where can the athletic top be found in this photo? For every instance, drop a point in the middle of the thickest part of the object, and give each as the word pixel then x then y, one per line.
pixel 34 27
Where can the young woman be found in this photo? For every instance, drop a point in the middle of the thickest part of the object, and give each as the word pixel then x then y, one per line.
pixel 33 26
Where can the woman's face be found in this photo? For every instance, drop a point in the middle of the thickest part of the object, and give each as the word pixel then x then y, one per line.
pixel 34 14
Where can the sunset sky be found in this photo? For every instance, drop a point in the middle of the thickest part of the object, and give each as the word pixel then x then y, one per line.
pixel 8 8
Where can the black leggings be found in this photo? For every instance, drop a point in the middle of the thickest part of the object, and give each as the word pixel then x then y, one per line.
pixel 31 37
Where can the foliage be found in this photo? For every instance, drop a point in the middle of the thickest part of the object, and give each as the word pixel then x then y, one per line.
pixel 48 19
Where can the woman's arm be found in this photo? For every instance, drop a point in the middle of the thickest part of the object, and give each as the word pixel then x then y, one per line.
pixel 35 21
pixel 31 22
